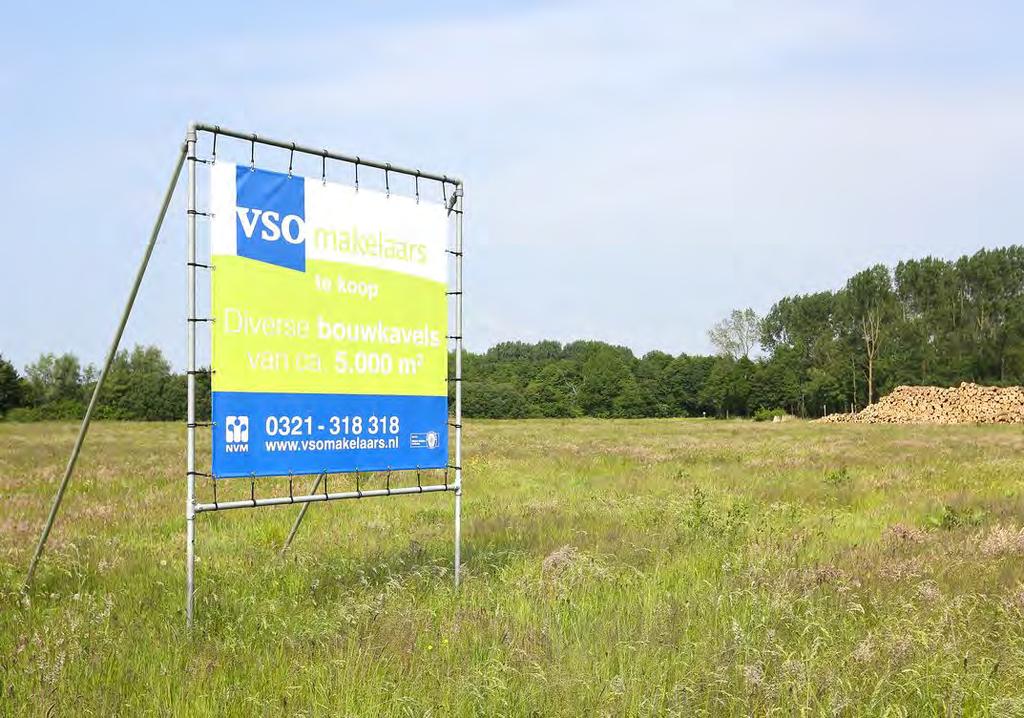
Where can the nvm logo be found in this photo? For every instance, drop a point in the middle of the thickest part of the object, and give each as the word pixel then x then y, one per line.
pixel 424 440
pixel 270 217
pixel 236 433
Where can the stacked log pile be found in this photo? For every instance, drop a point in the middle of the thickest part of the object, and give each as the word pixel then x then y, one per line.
pixel 964 404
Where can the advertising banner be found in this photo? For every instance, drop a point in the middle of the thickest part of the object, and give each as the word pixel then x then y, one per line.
pixel 330 316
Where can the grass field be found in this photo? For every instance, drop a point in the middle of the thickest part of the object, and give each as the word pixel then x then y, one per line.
pixel 661 567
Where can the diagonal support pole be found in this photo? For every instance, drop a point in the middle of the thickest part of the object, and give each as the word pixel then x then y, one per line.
pixel 83 430
pixel 302 515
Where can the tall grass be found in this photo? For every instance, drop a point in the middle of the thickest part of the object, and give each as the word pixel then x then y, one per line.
pixel 656 567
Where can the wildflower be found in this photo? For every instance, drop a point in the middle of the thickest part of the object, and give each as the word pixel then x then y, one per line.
pixel 1003 541
pixel 560 559
pixel 793 669
pixel 900 533
pixel 900 646
pixel 737 631
pixel 928 591
pixel 822 575
pixel 864 651
pixel 617 685
pixel 753 676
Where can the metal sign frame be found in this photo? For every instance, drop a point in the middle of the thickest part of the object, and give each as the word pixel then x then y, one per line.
pixel 193 507
pixel 188 156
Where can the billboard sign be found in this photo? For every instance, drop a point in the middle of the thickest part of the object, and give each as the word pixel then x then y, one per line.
pixel 330 322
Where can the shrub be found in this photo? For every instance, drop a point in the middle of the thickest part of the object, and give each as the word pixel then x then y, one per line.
pixel 22 414
pixel 950 517
pixel 61 410
pixel 838 478
pixel 763 414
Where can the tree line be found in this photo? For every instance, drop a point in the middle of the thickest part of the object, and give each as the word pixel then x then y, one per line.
pixel 139 386
pixel 926 321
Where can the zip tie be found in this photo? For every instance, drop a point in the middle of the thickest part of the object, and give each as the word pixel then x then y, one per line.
pixel 455 378
pixel 417 186
pixel 357 173
pixel 452 423
pixel 453 252
pixel 201 319
pixel 198 213
pixel 291 495
pixel 216 131
pixel 200 265
pixel 324 474
pixel 453 294
pixel 323 168
pixel 196 424
pixel 215 494
pixel 291 159
pixel 199 473
pixel 359 491
pixel 252 489
pixel 387 182
pixel 453 336
pixel 419 483
pixel 252 154
pixel 444 194
pixel 387 481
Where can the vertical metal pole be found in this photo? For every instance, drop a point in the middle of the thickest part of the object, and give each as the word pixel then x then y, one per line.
pixel 302 515
pixel 84 428
pixel 190 344
pixel 458 385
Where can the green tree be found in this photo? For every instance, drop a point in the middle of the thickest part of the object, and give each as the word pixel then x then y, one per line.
pixel 54 378
pixel 800 332
pixel 604 373
pixel 929 296
pixel 992 286
pixel 10 386
pixel 868 307
pixel 140 386
pixel 727 389
pixel 684 383
pixel 494 401
pixel 653 375
pixel 773 386
pixel 554 391
pixel 633 401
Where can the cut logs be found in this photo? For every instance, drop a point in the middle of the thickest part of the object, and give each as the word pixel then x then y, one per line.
pixel 964 404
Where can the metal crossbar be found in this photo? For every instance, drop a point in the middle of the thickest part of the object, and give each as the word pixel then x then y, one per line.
pixel 315 498
pixel 256 139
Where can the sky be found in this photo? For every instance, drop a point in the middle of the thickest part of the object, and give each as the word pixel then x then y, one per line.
pixel 633 170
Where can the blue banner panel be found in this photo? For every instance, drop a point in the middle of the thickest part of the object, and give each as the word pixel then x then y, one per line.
pixel 270 434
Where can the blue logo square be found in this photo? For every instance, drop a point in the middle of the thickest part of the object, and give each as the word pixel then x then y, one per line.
pixel 270 217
